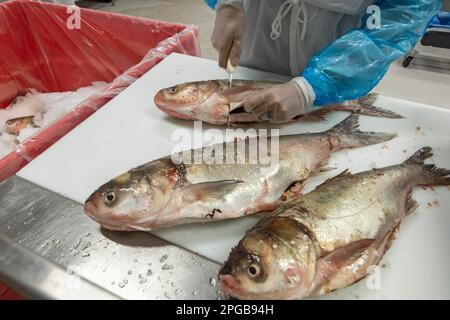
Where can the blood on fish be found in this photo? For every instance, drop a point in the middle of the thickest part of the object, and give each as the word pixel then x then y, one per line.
pixel 172 174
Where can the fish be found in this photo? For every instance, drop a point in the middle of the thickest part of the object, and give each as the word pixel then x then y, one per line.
pixel 216 103
pixel 13 126
pixel 329 238
pixel 164 193
pixel 18 109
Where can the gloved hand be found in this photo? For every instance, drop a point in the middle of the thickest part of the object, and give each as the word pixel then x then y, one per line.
pixel 282 102
pixel 228 32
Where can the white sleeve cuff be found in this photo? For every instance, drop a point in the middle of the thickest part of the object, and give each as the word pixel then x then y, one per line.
pixel 230 2
pixel 306 88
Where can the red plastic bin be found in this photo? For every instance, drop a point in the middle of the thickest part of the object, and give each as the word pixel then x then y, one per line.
pixel 40 49
pixel 8 294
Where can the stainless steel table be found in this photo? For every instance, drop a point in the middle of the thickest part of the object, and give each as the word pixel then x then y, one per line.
pixel 50 249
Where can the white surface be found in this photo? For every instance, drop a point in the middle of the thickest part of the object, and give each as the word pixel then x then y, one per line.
pixel 130 131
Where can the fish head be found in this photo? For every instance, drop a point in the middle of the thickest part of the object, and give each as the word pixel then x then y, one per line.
pixel 194 101
pixel 135 199
pixel 269 265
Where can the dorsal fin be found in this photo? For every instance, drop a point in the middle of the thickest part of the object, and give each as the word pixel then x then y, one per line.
pixel 420 156
pixel 344 174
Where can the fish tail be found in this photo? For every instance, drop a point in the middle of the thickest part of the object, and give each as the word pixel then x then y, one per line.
pixel 363 105
pixel 433 176
pixel 347 135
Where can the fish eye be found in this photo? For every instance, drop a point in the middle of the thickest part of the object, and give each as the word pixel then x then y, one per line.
pixel 173 90
pixel 253 270
pixel 110 197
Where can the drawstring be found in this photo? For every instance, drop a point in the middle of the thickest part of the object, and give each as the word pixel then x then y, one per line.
pixel 299 13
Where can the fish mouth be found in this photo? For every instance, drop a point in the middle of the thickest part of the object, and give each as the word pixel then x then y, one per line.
pixel 189 115
pixel 113 224
pixel 230 286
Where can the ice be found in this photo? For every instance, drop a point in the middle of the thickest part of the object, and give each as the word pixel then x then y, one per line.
pixel 7 144
pixel 46 109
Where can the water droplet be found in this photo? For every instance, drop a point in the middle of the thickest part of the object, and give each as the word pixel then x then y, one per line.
pixel 173 284
pixel 195 293
pixel 143 280
pixel 149 272
pixel 167 267
pixel 163 258
pixel 121 285
pixel 166 295
pixel 140 276
pixel 212 281
pixel 135 260
pixel 125 281
pixel 130 272
pixel 178 291
pixel 88 234
pixel 85 255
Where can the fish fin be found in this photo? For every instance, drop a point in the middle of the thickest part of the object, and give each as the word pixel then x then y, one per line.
pixel 348 253
pixel 344 174
pixel 342 267
pixel 364 106
pixel 327 169
pixel 411 204
pixel 293 191
pixel 346 134
pixel 420 156
pixel 351 263
pixel 265 207
pixel 436 176
pixel 210 189
pixel 433 176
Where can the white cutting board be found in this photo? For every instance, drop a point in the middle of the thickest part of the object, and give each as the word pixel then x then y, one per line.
pixel 130 131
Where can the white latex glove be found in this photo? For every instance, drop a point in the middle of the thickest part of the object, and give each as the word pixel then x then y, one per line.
pixel 282 102
pixel 228 33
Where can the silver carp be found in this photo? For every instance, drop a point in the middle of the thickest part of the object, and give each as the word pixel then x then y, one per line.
pixel 329 238
pixel 215 102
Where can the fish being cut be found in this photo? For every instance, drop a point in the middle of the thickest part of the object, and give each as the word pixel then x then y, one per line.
pixel 215 102
pixel 163 193
pixel 329 238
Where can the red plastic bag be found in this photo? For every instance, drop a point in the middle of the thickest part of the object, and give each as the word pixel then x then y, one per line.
pixel 55 48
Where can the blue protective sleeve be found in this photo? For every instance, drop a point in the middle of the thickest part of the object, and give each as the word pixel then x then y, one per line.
pixel 211 3
pixel 352 65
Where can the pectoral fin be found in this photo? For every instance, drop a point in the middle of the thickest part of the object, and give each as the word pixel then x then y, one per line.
pixel 210 190
pixel 344 266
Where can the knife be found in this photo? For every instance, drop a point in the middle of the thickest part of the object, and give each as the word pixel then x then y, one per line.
pixel 230 70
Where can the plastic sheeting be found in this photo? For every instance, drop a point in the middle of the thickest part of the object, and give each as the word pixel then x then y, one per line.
pixel 354 64
pixel 54 48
